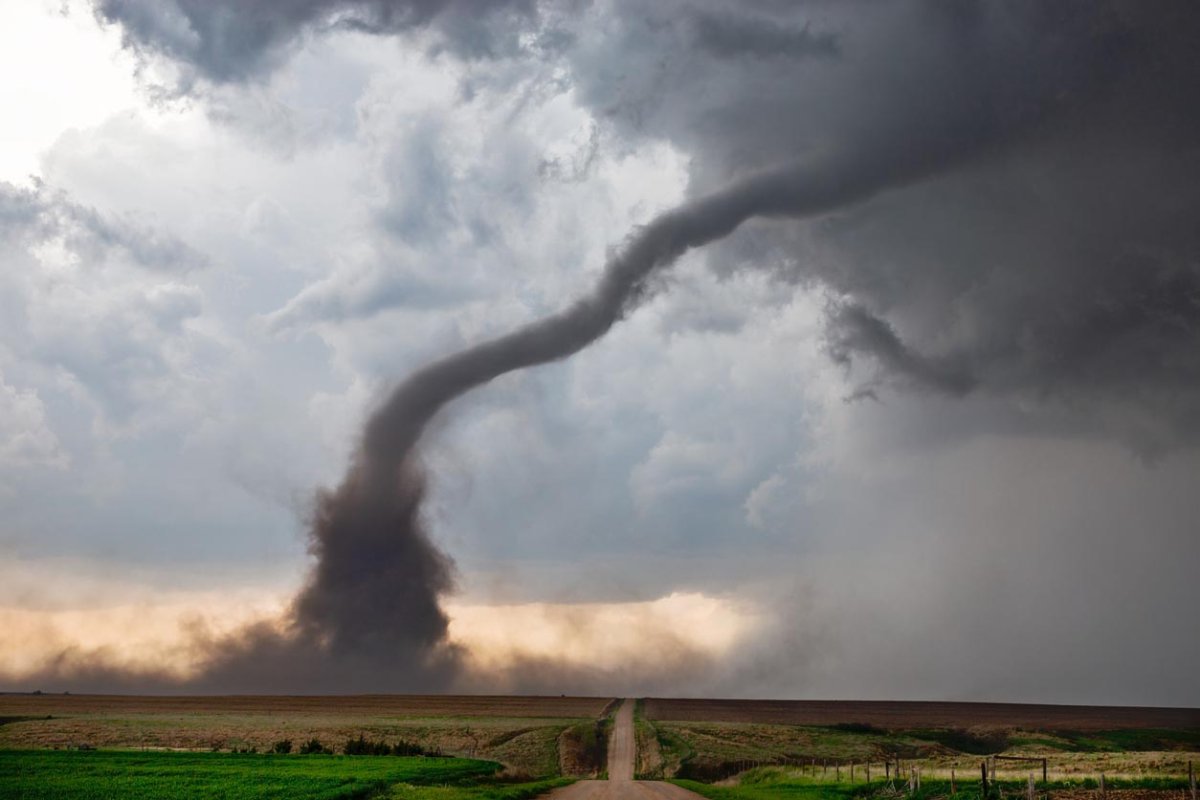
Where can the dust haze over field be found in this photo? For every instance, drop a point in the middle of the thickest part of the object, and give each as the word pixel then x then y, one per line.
pixel 997 203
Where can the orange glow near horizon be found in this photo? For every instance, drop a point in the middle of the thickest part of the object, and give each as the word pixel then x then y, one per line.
pixel 167 630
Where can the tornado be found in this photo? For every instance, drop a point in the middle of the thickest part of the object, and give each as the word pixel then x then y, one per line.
pixel 373 594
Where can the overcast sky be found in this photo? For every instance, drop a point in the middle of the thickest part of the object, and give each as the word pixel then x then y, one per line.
pixel 935 441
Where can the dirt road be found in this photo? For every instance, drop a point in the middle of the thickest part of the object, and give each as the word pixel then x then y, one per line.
pixel 622 753
pixel 622 790
pixel 622 745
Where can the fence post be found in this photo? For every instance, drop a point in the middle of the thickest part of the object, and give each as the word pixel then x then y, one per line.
pixel 1030 791
pixel 838 768
pixel 1044 771
pixel 918 779
pixel 868 772
pixel 1103 791
pixel 1192 779
pixel 887 770
pixel 983 775
pixel 952 789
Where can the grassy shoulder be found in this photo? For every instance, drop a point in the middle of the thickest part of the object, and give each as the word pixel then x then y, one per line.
pixel 98 775
pixel 583 749
pixel 649 764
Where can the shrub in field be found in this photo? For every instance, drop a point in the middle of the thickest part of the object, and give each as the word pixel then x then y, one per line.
pixel 403 748
pixel 362 746
pixel 856 727
pixel 282 746
pixel 965 741
pixel 314 746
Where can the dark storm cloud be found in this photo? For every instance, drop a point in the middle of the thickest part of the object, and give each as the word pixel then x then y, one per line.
pixel 1049 257
pixel 732 36
pixel 853 329
pixel 227 40
pixel 1067 275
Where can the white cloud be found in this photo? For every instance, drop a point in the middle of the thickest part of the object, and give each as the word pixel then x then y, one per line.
pixel 61 72
pixel 25 437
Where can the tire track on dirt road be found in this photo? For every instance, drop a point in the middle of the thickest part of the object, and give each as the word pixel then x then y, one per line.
pixel 622 754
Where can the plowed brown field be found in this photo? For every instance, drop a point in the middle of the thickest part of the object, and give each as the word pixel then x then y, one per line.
pixel 342 705
pixel 908 715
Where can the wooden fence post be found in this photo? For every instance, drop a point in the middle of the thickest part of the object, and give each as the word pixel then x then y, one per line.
pixel 983 775
pixel 887 770
pixel 1030 790
pixel 952 789
pixel 868 772
pixel 1103 791
pixel 1192 779
pixel 838 767
pixel 1044 771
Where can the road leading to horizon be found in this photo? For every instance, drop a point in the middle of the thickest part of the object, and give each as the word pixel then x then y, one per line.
pixel 622 754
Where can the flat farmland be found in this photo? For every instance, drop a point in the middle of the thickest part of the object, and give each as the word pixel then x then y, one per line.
pixel 532 736
pixel 909 715
pixel 716 739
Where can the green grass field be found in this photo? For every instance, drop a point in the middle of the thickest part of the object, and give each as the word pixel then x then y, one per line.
pixel 101 775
